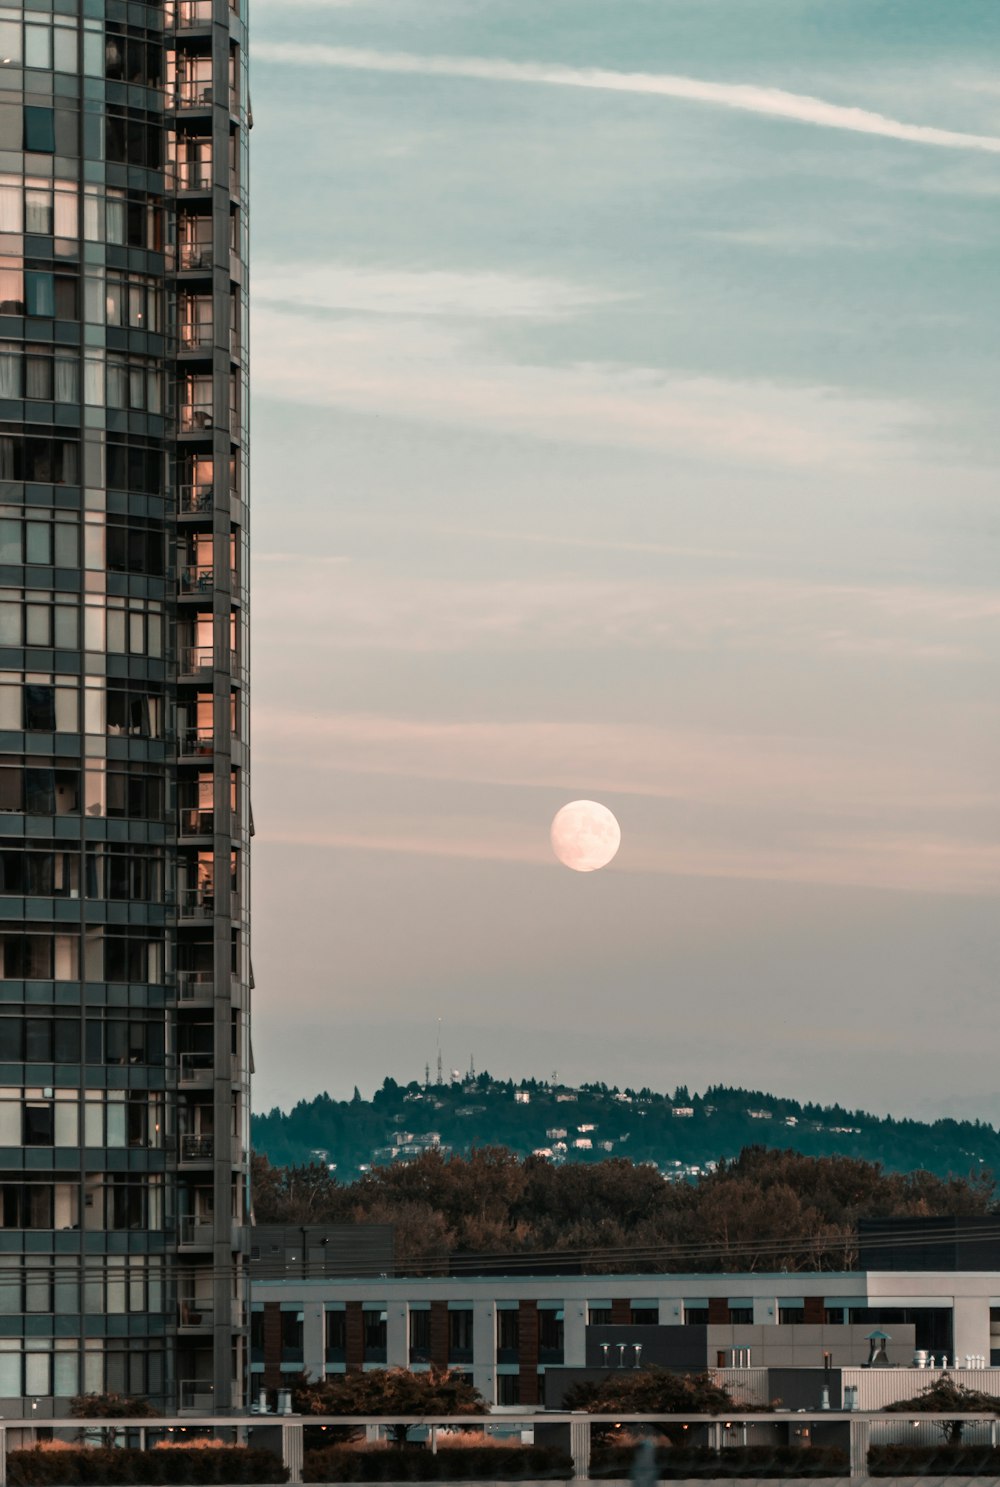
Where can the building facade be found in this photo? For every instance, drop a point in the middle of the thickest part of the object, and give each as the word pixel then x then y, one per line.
pixel 124 806
pixel 507 1333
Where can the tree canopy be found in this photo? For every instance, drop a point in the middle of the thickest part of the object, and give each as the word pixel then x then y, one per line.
pixel 945 1397
pixel 650 1391
pixel 389 1392
pixel 765 1210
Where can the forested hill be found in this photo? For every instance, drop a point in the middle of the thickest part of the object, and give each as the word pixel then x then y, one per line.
pixel 683 1134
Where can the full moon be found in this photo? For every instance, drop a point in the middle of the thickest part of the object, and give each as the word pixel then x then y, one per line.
pixel 585 835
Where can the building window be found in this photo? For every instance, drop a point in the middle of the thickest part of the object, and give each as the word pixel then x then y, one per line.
pixel 740 1316
pixel 420 1336
pixel 550 1335
pixel 256 1337
pixel 645 1314
pixel 291 1337
pixel 696 1313
pixel 508 1337
pixel 336 1336
pixel 508 1388
pixel 460 1336
pixel 599 1316
pixel 374 1332
pixel 791 1313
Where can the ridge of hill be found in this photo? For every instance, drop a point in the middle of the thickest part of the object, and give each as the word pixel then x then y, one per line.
pixel 683 1134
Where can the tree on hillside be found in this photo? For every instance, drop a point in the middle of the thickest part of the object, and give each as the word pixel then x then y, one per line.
pixel 390 1392
pixel 945 1397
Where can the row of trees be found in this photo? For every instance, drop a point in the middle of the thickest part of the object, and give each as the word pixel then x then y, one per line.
pixel 766 1210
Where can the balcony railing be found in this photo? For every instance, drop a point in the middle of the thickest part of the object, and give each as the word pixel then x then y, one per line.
pixel 193 986
pixel 195 741
pixel 194 255
pixel 193 1314
pixel 196 417
pixel 192 94
pixel 196 1396
pixel 197 1148
pixel 196 821
pixel 193 1229
pixel 194 499
pixel 181 13
pixel 196 903
pixel 194 335
pixel 196 657
pixel 199 578
pixel 195 1068
pixel 194 175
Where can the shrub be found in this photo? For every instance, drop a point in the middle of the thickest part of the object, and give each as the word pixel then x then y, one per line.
pixel 934 1461
pixel 734 1461
pixel 199 1465
pixel 476 1462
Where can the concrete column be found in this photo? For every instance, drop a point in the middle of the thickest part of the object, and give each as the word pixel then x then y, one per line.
pixel 397 1335
pixel 860 1437
pixel 575 1334
pixel 579 1445
pixel 314 1340
pixel 971 1326
pixel 765 1311
pixel 291 1451
pixel 484 1350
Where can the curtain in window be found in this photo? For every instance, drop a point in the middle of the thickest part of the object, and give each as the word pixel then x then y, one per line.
pixel 11 213
pixel 10 373
pixel 67 380
pixel 67 221
pixel 40 294
pixel 38 210
pixel 37 377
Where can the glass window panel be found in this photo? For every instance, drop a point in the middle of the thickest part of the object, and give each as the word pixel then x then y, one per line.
pixel 10 374
pixel 10 540
pixel 10 623
pixel 38 624
pixel 10 1375
pixel 66 544
pixel 67 224
pixel 116 630
pixel 116 1125
pixel 67 1122
pixel 94 381
pixel 11 291
pixel 10 711
pixel 65 634
pixel 137 387
pixel 66 1374
pixel 64 56
pixel 10 41
pixel 39 294
pixel 10 1123
pixel 38 377
pixel 38 1373
pixel 38 209
pixel 135 634
pixel 37 49
pixel 38 542
pixel 67 713
pixel 67 380
pixel 93 1124
pixel 114 217
pixel 39 123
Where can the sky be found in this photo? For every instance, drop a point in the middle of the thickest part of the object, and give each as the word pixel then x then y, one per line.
pixel 624 427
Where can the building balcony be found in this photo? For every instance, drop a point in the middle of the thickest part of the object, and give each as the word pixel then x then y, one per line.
pixel 195 987
pixel 190 94
pixel 196 903
pixel 196 1069
pixel 195 1316
pixel 193 821
pixel 196 418
pixel 194 256
pixel 195 743
pixel 195 500
pixel 196 1149
pixel 199 578
pixel 195 1232
pixel 196 1397
pixel 194 336
pixel 195 658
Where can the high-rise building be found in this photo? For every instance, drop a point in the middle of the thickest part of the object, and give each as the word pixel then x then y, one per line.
pixel 124 805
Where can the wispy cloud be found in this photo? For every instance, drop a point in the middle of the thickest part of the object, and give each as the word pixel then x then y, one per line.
pixel 431 370
pixel 752 806
pixel 410 614
pixel 773 103
pixel 428 293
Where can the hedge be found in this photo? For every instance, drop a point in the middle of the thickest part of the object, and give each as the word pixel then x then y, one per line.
pixel 734 1461
pixel 934 1461
pixel 471 1463
pixel 110 1466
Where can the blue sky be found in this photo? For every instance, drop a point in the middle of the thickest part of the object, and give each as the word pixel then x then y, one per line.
pixel 624 424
